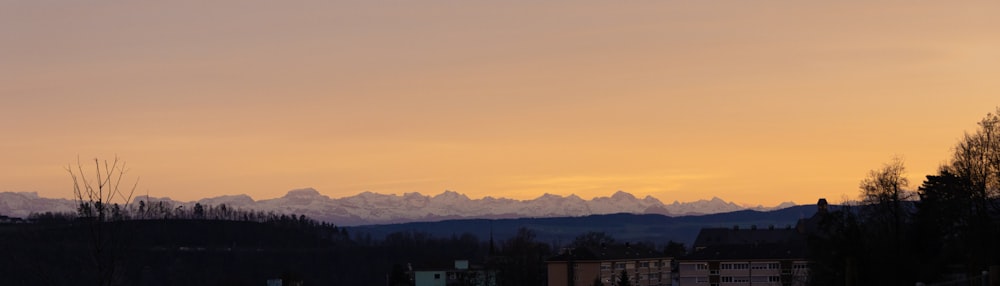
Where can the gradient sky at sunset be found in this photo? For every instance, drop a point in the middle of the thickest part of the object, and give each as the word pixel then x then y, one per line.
pixel 752 101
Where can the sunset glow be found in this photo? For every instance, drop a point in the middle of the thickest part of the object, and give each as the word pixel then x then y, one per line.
pixel 756 102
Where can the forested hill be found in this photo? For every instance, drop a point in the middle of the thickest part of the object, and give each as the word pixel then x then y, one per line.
pixel 209 246
pixel 171 252
pixel 653 228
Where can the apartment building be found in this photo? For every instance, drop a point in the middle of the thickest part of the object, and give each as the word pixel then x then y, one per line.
pixel 582 266
pixel 765 264
pixel 765 257
pixel 461 274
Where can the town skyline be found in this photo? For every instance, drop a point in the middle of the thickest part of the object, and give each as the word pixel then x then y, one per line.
pixel 757 103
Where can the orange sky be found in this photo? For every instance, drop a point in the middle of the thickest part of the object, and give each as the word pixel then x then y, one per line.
pixel 753 101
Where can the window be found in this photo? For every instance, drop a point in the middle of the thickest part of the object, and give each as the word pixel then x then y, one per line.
pixel 701 280
pixel 737 266
pixel 620 265
pixel 644 264
pixel 774 279
pixel 726 279
pixel 702 266
pixel 741 279
pixel 437 276
pixel 758 266
pixel 800 266
pixel 605 266
pixel 773 266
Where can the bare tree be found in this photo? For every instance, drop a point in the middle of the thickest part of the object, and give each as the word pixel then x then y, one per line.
pixel 977 160
pixel 883 191
pixel 976 167
pixel 883 195
pixel 102 204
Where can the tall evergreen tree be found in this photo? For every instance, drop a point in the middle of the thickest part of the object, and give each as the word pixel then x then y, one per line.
pixel 623 279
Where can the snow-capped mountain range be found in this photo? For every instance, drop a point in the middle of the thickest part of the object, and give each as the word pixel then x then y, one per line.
pixel 373 208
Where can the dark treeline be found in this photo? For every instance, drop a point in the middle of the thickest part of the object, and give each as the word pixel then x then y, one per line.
pixel 155 243
pixel 217 245
pixel 946 230
pixel 159 244
pixel 166 210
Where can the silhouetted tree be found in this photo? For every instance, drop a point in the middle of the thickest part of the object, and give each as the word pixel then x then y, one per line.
pixel 593 239
pixel 523 261
pixel 48 217
pixel 674 249
pixel 944 222
pixel 961 203
pixel 882 191
pixel 199 211
pixel 954 222
pixel 838 250
pixel 623 279
pixel 977 160
pixel 98 205
pixel 398 276
pixel 885 213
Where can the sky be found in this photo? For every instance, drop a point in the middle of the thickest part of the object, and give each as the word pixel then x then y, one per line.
pixel 758 102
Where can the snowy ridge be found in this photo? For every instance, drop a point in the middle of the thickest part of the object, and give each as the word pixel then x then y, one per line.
pixel 374 208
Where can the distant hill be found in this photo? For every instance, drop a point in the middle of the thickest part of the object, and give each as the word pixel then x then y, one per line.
pixel 178 252
pixel 372 208
pixel 218 252
pixel 654 228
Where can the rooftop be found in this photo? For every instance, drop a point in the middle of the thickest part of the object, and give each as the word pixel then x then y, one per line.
pixel 735 236
pixel 750 252
pixel 608 252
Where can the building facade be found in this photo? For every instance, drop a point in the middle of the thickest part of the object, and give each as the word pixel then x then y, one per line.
pixel 765 257
pixel 582 266
pixel 763 272
pixel 461 274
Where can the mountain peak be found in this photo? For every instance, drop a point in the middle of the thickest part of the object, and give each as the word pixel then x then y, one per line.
pixel 305 193
pixel 652 200
pixel 785 205
pixel 33 195
pixel 370 194
pixel 370 207
pixel 241 199
pixel 448 194
pixel 413 195
pixel 549 196
pixel 619 195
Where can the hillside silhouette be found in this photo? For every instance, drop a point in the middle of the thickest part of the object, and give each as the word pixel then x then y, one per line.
pixel 176 252
pixel 199 247
pixel 629 227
